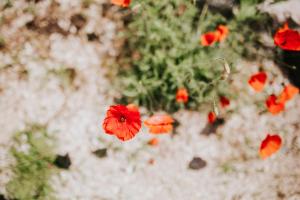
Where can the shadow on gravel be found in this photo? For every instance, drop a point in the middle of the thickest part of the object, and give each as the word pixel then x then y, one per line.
pixel 212 128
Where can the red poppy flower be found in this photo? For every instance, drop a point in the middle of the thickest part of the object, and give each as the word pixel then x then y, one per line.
pixel 273 105
pixel 208 38
pixel 224 101
pixel 257 81
pixel 270 145
pixel 159 123
pixel 222 32
pixel 287 39
pixel 182 95
pixel 288 93
pixel 153 142
pixel 211 117
pixel 124 3
pixel 122 121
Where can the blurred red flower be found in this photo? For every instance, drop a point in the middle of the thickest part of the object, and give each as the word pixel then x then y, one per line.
pixel 288 93
pixel 182 95
pixel 208 38
pixel 211 117
pixel 287 39
pixel 273 105
pixel 222 32
pixel 270 145
pixel 122 121
pixel 257 81
pixel 224 101
pixel 124 3
pixel 159 123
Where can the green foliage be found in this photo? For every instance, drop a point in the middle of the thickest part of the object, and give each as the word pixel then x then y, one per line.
pixel 162 53
pixel 33 166
pixel 246 27
pixel 65 74
pixel 247 9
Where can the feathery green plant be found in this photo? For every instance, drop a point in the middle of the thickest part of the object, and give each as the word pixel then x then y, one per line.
pixel 162 53
pixel 32 169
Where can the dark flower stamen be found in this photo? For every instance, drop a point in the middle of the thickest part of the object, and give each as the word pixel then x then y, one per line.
pixel 122 119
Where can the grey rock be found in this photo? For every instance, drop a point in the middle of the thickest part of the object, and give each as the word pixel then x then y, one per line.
pixel 282 11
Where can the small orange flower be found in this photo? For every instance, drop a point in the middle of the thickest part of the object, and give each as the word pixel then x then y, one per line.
pixel 182 95
pixel 273 105
pixel 208 38
pixel 222 32
pixel 122 121
pixel 270 145
pixel 153 142
pixel 288 93
pixel 211 117
pixel 124 3
pixel 224 101
pixel 287 39
pixel 257 81
pixel 159 123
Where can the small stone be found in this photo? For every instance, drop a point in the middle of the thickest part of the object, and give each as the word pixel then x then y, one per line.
pixel 78 20
pixel 92 37
pixel 101 153
pixel 280 195
pixel 197 163
pixel 63 162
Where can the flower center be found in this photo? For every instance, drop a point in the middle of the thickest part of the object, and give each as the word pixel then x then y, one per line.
pixel 122 119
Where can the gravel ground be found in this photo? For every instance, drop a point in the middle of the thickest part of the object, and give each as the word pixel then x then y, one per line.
pixel 34 88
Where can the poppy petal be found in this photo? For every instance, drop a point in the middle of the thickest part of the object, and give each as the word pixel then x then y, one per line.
pixel 159 123
pixel 110 125
pixel 153 142
pixel 287 39
pixel 182 95
pixel 273 105
pixel 211 117
pixel 257 81
pixel 222 32
pixel 270 145
pixel 208 39
pixel 288 93
pixel 224 101
pixel 124 3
